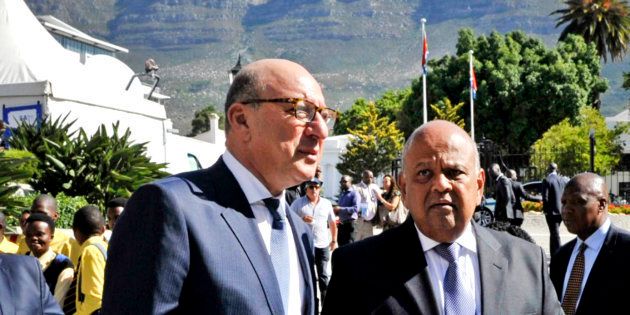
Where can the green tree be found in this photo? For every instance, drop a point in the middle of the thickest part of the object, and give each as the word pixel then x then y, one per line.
pixel 16 167
pixel 98 167
pixel 523 87
pixel 201 121
pixel 605 23
pixel 626 80
pixel 567 144
pixel 375 143
pixel 445 110
pixel 388 105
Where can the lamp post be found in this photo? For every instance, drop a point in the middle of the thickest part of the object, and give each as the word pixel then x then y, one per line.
pixel 232 72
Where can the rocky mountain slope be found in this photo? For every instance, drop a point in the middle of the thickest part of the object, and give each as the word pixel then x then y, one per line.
pixel 356 48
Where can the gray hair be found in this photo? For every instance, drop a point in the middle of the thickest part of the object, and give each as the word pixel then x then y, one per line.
pixel 246 85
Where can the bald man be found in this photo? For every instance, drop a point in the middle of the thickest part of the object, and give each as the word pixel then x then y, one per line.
pixel 439 261
pixel 600 253
pixel 220 240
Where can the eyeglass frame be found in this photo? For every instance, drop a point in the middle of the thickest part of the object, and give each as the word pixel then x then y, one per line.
pixel 295 101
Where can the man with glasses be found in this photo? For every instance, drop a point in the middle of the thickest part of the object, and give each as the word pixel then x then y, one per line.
pixel 317 212
pixel 221 240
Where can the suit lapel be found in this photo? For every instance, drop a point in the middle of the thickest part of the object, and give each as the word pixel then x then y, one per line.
pixel 560 263
pixel 303 242
pixel 5 292
pixel 492 269
pixel 599 272
pixel 226 192
pixel 418 286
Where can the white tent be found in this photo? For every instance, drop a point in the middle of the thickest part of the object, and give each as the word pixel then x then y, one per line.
pixel 40 77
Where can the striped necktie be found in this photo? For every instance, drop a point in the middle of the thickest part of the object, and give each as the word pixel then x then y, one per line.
pixel 457 301
pixel 279 248
pixel 574 286
pixel 70 300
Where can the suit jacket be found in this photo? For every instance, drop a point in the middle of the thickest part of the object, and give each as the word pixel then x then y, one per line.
pixel 23 289
pixel 513 275
pixel 605 291
pixel 552 188
pixel 505 198
pixel 519 195
pixel 190 243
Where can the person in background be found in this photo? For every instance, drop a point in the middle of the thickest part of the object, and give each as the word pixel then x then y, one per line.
pixel 58 269
pixel 367 192
pixel 115 207
pixel 347 209
pixel 23 289
pixel 88 226
pixel 503 210
pixel 61 243
pixel 6 247
pixel 552 187
pixel 317 212
pixel 519 195
pixel 590 273
pixel 390 202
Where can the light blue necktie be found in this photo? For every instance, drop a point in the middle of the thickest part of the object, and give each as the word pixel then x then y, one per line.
pixel 280 248
pixel 456 300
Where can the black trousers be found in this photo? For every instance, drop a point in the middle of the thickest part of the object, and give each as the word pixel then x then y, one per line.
pixel 553 222
pixel 322 257
pixel 344 233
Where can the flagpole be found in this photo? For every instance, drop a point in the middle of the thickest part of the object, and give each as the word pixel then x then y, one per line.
pixel 424 75
pixel 472 104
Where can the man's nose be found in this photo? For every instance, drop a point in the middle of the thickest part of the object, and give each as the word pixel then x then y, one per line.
pixel 441 183
pixel 317 127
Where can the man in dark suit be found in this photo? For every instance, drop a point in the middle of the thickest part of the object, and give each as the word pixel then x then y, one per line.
pixel 23 289
pixel 503 195
pixel 590 273
pixel 216 241
pixel 439 261
pixel 519 195
pixel 552 187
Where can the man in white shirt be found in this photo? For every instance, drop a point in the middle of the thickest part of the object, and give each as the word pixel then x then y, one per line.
pixel 439 261
pixel 590 273
pixel 367 192
pixel 318 213
pixel 221 240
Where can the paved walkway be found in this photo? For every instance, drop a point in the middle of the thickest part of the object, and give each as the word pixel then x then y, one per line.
pixel 536 226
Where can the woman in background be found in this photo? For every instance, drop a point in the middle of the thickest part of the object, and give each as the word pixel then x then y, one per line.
pixel 391 210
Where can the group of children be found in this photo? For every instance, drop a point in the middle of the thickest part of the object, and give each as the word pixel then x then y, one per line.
pixel 74 268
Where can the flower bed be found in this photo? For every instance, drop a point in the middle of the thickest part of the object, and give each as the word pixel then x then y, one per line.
pixel 537 206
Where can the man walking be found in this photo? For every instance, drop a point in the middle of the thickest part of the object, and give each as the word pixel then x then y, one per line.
pixel 317 212
pixel 221 240
pixel 503 194
pixel 552 187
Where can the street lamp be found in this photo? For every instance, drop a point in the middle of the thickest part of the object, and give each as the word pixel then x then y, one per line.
pixel 235 69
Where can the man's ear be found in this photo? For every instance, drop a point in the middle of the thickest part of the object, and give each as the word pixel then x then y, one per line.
pixel 237 116
pixel 403 185
pixel 481 180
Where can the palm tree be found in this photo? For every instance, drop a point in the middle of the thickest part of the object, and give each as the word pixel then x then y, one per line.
pixel 605 23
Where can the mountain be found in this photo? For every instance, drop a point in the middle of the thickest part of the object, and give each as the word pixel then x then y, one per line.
pixel 355 48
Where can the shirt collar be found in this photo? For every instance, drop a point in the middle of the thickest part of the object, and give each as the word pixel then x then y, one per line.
pixel 466 240
pixel 253 189
pixel 596 240
pixel 46 258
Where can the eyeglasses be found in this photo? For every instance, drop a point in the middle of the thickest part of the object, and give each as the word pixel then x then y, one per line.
pixel 303 110
pixel 313 186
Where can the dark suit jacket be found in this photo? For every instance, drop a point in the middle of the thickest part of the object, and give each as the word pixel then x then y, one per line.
pixel 606 289
pixel 190 243
pixel 552 187
pixel 388 274
pixel 519 195
pixel 505 198
pixel 23 289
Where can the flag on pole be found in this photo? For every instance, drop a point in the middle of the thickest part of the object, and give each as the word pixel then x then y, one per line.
pixel 473 82
pixel 425 51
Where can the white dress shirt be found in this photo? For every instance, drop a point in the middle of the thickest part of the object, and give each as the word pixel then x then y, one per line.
pixel 594 243
pixel 467 258
pixel 367 199
pixel 255 192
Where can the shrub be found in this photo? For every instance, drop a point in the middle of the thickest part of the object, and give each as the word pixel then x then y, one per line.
pixel 66 205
